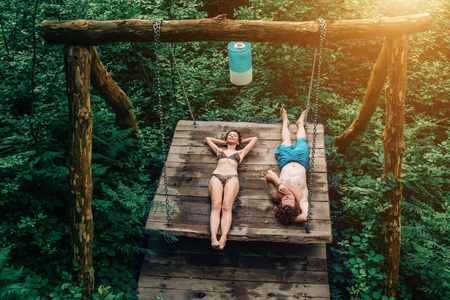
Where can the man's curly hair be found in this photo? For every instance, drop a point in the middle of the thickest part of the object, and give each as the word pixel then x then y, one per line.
pixel 287 214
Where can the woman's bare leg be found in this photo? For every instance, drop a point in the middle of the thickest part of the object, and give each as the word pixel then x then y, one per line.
pixel 229 195
pixel 215 193
pixel 285 133
pixel 301 126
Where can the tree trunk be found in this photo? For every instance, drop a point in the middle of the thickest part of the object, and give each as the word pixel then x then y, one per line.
pixel 78 65
pixel 370 103
pixel 87 32
pixel 394 146
pixel 112 93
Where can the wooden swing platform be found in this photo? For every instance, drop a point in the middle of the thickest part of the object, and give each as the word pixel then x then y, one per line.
pixel 262 258
pixel 190 163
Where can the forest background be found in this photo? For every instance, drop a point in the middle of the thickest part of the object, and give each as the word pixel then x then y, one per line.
pixel 34 240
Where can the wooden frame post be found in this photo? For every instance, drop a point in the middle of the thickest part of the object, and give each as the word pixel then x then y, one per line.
pixel 394 146
pixel 78 65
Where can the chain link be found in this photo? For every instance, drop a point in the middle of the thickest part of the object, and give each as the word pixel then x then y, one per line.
pixel 157 40
pixel 182 84
pixel 323 31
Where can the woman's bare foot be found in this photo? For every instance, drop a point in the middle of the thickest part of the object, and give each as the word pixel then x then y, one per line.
pixel 284 115
pixel 301 119
pixel 222 242
pixel 215 243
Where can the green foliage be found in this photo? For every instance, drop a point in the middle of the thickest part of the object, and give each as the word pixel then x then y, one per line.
pixel 34 158
pixel 11 284
pixel 34 241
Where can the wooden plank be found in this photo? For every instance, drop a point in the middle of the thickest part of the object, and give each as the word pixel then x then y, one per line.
pixel 205 170
pixel 251 209
pixel 192 288
pixel 152 293
pixel 265 154
pixel 269 131
pixel 240 226
pixel 246 220
pixel 258 250
pixel 270 143
pixel 249 181
pixel 319 165
pixel 320 232
pixel 234 261
pixel 250 213
pixel 246 127
pixel 235 274
pixel 319 192
pixel 190 268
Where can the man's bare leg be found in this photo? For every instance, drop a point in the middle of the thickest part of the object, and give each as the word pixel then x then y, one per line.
pixel 301 126
pixel 285 133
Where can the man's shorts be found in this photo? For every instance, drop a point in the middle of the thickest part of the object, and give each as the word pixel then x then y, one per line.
pixel 299 152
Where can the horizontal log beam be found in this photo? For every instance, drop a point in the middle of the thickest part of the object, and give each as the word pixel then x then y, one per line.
pixel 87 32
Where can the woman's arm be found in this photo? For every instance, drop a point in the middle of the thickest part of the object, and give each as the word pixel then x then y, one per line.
pixel 212 143
pixel 247 140
pixel 250 144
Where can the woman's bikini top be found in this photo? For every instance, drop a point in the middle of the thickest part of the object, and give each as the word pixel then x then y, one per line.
pixel 234 156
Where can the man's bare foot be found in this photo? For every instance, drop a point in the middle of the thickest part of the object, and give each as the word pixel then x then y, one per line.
pixel 215 243
pixel 301 120
pixel 222 242
pixel 284 115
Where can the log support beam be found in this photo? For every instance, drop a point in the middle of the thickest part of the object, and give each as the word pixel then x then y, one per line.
pixel 394 146
pixel 81 227
pixel 112 94
pixel 370 103
pixel 87 32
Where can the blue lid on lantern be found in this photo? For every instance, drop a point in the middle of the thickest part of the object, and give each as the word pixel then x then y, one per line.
pixel 240 61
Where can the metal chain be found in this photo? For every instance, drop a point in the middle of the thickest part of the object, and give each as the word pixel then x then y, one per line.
pixel 182 84
pixel 156 34
pixel 311 82
pixel 323 32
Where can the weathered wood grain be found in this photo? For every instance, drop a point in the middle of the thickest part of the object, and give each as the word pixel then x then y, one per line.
pixel 77 61
pixel 251 209
pixel 88 32
pixel 370 102
pixel 259 250
pixel 190 163
pixel 191 269
pixel 192 288
pixel 394 147
pixel 293 234
pixel 113 95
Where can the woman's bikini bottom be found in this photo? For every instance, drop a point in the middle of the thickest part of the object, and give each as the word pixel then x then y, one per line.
pixel 224 178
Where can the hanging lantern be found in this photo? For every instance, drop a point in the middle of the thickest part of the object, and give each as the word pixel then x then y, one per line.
pixel 240 60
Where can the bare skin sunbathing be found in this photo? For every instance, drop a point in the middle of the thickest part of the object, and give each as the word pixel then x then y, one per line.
pixel 289 190
pixel 224 183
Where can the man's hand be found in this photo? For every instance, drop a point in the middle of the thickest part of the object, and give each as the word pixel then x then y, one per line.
pixel 283 190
